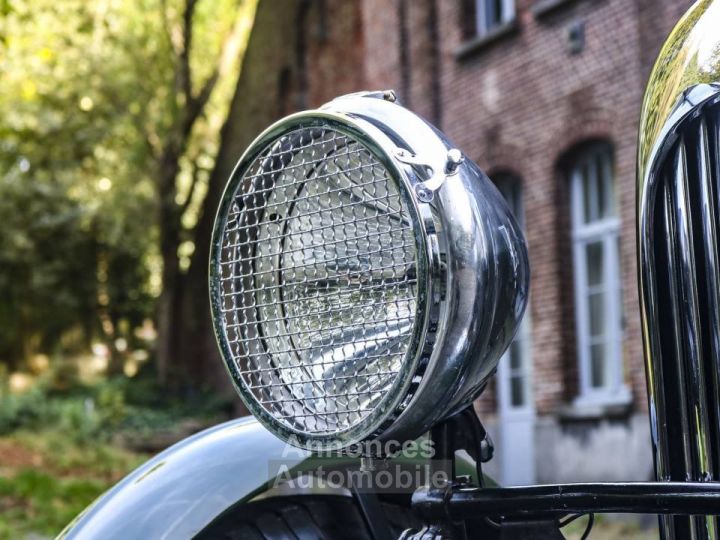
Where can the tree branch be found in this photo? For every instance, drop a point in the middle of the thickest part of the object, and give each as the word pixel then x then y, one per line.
pixel 166 28
pixel 229 53
pixel 196 104
pixel 196 170
pixel 185 73
pixel 224 160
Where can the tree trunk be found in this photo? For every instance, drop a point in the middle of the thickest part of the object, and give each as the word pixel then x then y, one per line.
pixel 253 107
pixel 176 323
pixel 165 322
pixel 167 309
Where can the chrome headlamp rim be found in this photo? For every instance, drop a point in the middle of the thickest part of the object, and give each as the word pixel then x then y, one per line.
pixel 415 360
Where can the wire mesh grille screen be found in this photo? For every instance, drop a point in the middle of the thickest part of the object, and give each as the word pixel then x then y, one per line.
pixel 318 281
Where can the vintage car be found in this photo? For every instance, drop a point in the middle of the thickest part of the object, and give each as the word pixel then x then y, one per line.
pixel 365 280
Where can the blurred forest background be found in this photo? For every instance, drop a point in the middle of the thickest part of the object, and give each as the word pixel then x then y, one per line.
pixel 113 158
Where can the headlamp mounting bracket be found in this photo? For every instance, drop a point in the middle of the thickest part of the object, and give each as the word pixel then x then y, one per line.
pixel 425 191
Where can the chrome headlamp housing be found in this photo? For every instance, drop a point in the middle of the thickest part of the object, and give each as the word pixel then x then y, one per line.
pixel 364 278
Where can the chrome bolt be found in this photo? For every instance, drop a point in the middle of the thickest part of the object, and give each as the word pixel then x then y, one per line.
pixel 423 193
pixel 454 159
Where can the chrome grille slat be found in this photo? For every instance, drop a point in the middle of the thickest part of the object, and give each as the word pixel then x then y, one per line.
pixel 688 334
pixel 700 467
pixel 672 281
pixel 680 265
pixel 707 169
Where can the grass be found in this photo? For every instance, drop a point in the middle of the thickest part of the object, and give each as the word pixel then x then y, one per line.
pixel 47 478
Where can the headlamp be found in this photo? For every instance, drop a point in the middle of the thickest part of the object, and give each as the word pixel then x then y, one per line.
pixel 364 278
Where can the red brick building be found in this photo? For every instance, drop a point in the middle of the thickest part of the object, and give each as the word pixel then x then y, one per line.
pixel 545 95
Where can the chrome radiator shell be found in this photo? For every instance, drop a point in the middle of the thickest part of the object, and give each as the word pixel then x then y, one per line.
pixel 679 267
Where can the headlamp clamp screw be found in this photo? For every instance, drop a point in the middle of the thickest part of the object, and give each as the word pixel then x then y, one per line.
pixel 423 193
pixel 454 159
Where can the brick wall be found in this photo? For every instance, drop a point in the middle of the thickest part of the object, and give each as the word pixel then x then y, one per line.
pixel 524 103
pixel 335 50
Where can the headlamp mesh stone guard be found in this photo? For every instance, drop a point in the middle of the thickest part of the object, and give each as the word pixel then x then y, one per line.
pixel 318 281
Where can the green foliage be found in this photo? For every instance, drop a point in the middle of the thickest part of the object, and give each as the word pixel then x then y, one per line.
pixel 105 410
pixel 27 409
pixel 39 284
pixel 76 416
pixel 109 127
pixel 64 455
pixel 41 503
pixel 76 197
pixel 610 528
pixel 91 102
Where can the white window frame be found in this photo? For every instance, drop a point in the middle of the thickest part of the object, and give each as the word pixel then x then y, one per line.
pixel 484 26
pixel 605 230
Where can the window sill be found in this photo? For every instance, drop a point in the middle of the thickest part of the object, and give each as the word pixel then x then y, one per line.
pixel 477 44
pixel 544 7
pixel 595 406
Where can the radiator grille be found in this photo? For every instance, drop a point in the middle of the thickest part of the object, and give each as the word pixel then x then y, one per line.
pixel 682 275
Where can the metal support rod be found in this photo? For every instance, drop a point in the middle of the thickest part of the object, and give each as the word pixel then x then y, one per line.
pixel 681 498
pixel 443 438
pixel 373 514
